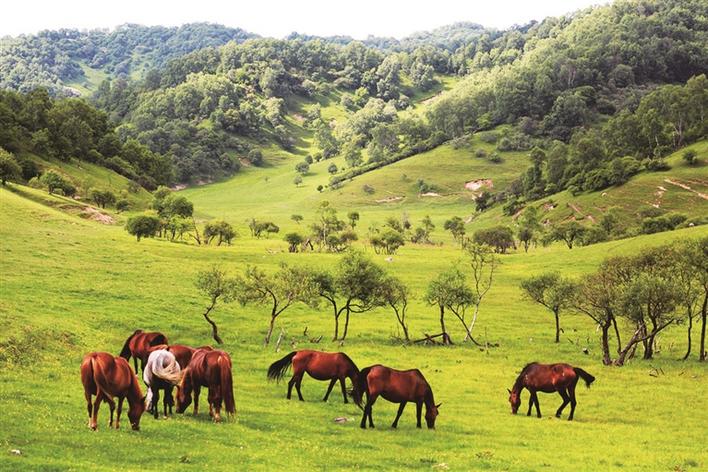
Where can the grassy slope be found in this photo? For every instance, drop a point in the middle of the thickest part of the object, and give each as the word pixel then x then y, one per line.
pixel 68 286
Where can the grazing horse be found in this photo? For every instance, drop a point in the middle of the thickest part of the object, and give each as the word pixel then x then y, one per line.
pixel 106 376
pixel 182 353
pixel 209 368
pixel 162 372
pixel 548 378
pixel 138 345
pixel 396 386
pixel 330 366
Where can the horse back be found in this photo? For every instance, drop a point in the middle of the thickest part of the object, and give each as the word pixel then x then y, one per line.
pixel 105 372
pixel 397 385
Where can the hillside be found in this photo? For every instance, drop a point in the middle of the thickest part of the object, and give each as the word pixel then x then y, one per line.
pixel 100 285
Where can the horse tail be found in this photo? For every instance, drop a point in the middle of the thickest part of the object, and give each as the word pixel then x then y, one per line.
pixel 277 369
pixel 226 385
pixel 584 375
pixel 156 366
pixel 360 386
pixel 125 352
pixel 87 377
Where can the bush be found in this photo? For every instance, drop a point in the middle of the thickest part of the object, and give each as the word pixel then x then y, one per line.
pixel 9 167
pixel 656 164
pixel 102 197
pixel 143 226
pixel 661 223
pixel 690 156
pixel 481 153
pixel 501 238
pixel 368 189
pixel 495 158
pixel 488 137
pixel 122 205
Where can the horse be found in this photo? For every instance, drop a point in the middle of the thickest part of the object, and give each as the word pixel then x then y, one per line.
pixel 106 376
pixel 162 371
pixel 138 344
pixel 209 368
pixel 396 386
pixel 548 378
pixel 330 366
pixel 182 353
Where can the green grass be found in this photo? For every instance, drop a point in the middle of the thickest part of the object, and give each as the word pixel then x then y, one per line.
pixel 89 82
pixel 69 286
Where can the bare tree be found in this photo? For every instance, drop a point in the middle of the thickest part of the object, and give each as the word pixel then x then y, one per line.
pixel 216 285
pixel 483 264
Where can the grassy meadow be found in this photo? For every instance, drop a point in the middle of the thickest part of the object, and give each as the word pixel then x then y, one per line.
pixel 70 285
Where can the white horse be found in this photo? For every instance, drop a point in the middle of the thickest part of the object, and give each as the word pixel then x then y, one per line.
pixel 161 371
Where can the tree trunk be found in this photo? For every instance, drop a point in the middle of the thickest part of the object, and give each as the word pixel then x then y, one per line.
pixel 556 314
pixel 606 359
pixel 346 325
pixel 270 330
pixel 703 354
pixel 617 334
pixel 688 335
pixel 649 347
pixel 214 329
pixel 446 339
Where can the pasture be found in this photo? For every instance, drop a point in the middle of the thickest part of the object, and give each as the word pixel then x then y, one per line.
pixel 69 286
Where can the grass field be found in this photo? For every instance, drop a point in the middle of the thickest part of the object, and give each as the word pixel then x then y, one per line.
pixel 69 286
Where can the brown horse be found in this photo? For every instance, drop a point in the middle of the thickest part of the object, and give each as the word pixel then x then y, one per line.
pixel 548 378
pixel 330 366
pixel 396 386
pixel 182 353
pixel 212 369
pixel 106 376
pixel 138 345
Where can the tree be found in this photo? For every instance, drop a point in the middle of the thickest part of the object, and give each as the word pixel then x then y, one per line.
pixel 296 218
pixel 353 217
pixel 395 294
pixel 483 201
pixel 552 291
pixel 332 169
pixel 483 265
pixel 501 238
pixel 352 153
pixel 9 168
pixel 297 180
pixel 294 240
pixel 569 232
pixel 302 167
pixel 221 229
pixel 449 291
pixel 102 197
pixel 143 226
pixel 215 285
pixel 261 228
pixel 688 282
pixel 279 291
pixel 456 226
pixel 526 236
pixel 54 181
pixel 690 156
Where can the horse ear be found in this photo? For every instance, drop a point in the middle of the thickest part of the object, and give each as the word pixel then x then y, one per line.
pixel 438 405
pixel 508 390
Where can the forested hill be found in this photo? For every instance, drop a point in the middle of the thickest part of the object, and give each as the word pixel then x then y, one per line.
pixel 53 59
pixel 586 90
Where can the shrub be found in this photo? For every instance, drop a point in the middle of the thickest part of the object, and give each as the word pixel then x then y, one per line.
pixel 488 137
pixel 690 156
pixel 480 153
pixel 9 167
pixel 656 164
pixel 143 226
pixel 122 205
pixel 368 189
pixel 495 158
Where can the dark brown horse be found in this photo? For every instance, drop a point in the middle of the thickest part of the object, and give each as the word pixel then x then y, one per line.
pixel 396 386
pixel 182 353
pixel 106 376
pixel 330 366
pixel 138 345
pixel 548 378
pixel 212 369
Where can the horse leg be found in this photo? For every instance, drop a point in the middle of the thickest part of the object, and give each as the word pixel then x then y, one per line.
pixel 215 404
pixel 571 394
pixel 329 389
pixel 538 407
pixel 298 382
pixel 566 400
pixel 418 411
pixel 366 412
pixel 120 410
pixel 94 418
pixel 344 390
pixel 89 406
pixel 112 406
pixel 398 415
pixel 531 394
pixel 155 402
pixel 197 390
pixel 371 401
pixel 290 386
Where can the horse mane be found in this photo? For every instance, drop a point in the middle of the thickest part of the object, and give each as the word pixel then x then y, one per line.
pixel 517 383
pixel 349 359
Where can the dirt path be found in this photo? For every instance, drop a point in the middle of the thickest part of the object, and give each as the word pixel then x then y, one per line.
pixel 686 187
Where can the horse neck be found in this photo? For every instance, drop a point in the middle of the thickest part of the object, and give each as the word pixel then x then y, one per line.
pixel 519 384
pixel 428 399
pixel 134 393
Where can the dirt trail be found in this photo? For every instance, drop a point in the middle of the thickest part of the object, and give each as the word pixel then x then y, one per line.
pixel 686 187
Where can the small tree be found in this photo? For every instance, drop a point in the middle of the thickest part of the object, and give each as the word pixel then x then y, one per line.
pixel 501 238
pixel 122 205
pixel 353 217
pixel 332 169
pixel 552 291
pixel 526 236
pixel 102 197
pixel 9 167
pixel 219 229
pixel 483 201
pixel 302 167
pixel 483 265
pixel 387 242
pixel 395 294
pixel 456 226
pixel 689 156
pixel 569 232
pixel 143 226
pixel 296 218
pixel 215 285
pixel 449 291
pixel 294 240
pixel 297 180
pixel 279 291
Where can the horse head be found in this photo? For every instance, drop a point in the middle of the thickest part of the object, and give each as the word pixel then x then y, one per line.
pixel 430 415
pixel 184 393
pixel 514 400
pixel 135 411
